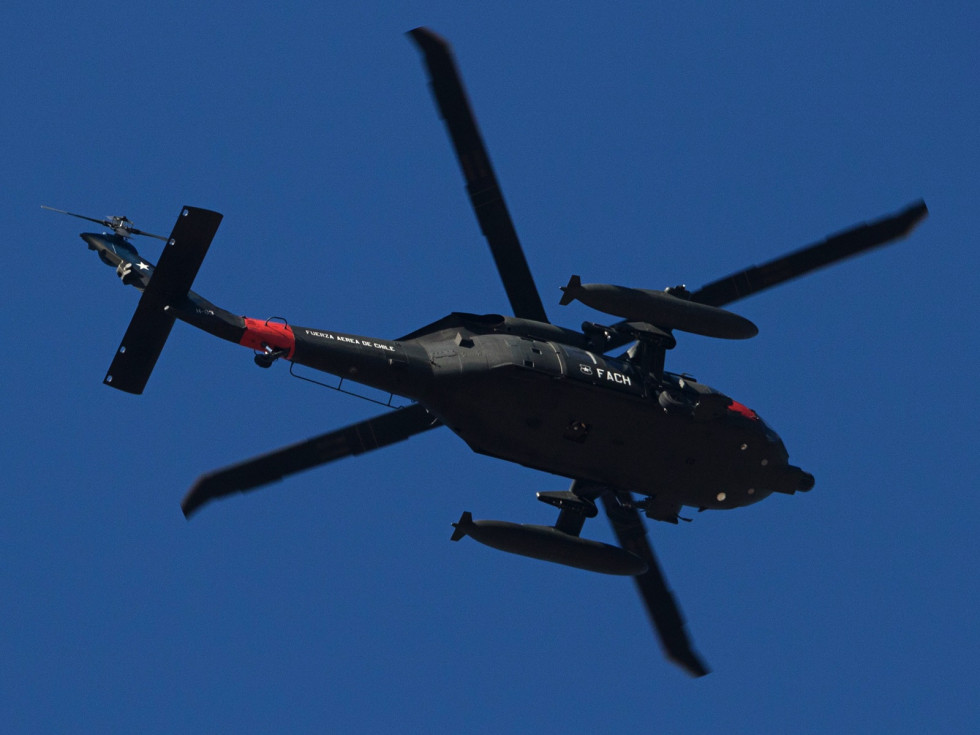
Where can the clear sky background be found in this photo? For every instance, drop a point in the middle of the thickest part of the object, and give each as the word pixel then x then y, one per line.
pixel 637 143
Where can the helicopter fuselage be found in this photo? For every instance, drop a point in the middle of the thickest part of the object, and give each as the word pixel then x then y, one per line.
pixel 536 394
pixel 570 411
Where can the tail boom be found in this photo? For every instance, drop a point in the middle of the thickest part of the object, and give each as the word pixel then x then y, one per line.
pixel 167 297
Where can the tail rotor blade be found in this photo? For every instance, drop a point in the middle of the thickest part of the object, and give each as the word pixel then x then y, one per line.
pixel 80 216
pixel 144 233
pixel 120 225
pixel 652 586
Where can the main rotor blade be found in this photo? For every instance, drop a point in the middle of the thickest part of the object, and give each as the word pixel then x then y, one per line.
pixel 800 262
pixel 657 597
pixel 366 436
pixel 481 182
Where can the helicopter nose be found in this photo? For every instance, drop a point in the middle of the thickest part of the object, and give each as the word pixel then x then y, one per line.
pixel 789 479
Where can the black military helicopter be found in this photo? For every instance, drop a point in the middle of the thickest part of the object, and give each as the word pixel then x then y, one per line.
pixel 628 433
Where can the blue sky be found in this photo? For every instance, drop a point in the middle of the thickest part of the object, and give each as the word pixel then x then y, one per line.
pixel 644 145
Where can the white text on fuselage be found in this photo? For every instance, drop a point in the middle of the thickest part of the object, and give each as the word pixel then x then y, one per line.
pixel 608 375
pixel 349 340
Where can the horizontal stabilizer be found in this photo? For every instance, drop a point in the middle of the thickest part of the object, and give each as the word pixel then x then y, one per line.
pixel 172 278
pixel 140 348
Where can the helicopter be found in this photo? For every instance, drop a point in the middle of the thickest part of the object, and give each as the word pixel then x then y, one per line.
pixel 595 405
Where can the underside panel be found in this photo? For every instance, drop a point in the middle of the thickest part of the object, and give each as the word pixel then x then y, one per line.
pixel 570 428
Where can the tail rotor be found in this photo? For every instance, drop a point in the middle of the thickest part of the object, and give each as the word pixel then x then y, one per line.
pixel 120 224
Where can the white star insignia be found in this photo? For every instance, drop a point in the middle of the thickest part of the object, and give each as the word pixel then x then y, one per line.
pixel 143 266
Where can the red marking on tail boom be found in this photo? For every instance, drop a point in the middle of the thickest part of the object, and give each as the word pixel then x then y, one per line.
pixel 260 334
